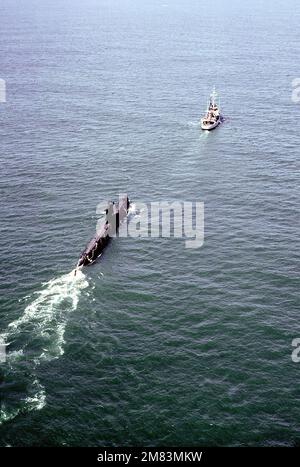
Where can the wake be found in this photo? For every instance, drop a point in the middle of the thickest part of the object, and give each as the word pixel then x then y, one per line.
pixel 38 335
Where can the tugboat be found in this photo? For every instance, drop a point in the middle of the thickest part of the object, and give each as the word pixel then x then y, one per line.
pixel 212 117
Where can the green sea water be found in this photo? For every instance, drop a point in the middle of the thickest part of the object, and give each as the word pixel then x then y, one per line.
pixel 155 344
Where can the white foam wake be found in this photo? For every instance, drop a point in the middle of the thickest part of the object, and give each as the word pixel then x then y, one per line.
pixel 35 401
pixel 38 334
pixel 46 316
pixel 132 209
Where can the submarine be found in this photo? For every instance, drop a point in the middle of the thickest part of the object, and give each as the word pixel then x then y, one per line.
pixel 115 214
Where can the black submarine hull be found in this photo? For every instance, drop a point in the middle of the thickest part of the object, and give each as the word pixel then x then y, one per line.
pixel 115 214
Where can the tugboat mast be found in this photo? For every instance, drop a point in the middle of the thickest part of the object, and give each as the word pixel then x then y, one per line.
pixel 213 96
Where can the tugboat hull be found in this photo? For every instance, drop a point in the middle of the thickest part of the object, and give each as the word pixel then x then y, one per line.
pixel 209 126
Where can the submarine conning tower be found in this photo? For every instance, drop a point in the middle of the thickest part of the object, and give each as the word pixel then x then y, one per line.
pixel 115 214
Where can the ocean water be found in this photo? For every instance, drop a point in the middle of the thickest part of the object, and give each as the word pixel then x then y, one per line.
pixel 155 344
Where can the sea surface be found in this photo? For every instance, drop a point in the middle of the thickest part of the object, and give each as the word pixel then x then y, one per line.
pixel 155 344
